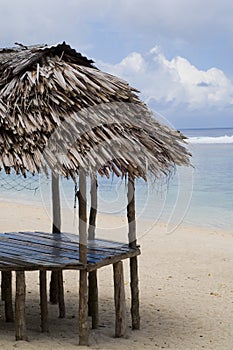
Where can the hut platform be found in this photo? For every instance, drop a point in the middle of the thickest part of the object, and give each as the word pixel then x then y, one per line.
pixel 42 251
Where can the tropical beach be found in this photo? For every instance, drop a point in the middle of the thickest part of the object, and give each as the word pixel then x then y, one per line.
pixel 116 191
pixel 186 291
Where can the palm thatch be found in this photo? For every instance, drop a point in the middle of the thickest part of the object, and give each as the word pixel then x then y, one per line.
pixel 58 110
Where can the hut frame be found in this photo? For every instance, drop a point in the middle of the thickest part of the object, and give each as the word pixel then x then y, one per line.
pixel 58 110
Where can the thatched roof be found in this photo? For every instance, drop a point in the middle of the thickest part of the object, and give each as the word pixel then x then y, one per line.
pixel 58 109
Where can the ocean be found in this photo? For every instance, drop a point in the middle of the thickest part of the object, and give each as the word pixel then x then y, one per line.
pixel 201 195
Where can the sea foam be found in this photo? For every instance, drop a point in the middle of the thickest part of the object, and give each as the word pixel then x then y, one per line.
pixel 209 139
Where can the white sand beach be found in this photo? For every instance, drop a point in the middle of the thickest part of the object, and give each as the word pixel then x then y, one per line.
pixel 186 292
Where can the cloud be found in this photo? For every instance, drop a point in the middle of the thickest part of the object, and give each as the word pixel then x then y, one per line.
pixel 175 82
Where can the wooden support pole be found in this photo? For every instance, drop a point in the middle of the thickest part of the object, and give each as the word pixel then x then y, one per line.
pixel 83 288
pixel 134 293
pixel 131 211
pixel 56 283
pixel 9 314
pixel 119 297
pixel 93 209
pixel 56 228
pixel 3 285
pixel 56 204
pixel 20 317
pixel 133 261
pixel 93 307
pixel 43 302
pixel 61 301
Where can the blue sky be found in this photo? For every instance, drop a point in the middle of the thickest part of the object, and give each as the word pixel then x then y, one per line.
pixel 178 53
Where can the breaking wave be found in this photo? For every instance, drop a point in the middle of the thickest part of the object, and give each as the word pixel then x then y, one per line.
pixel 209 139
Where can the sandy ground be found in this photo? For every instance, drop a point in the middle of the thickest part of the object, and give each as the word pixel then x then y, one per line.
pixel 186 290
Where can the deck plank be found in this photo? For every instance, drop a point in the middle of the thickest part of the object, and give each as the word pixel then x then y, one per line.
pixel 42 250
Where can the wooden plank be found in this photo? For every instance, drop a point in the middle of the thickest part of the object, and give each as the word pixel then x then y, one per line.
pixel 6 260
pixel 16 250
pixel 46 242
pixel 110 261
pixel 61 243
pixel 33 250
pixel 35 259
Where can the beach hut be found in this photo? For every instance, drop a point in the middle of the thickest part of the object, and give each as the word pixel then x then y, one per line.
pixel 61 115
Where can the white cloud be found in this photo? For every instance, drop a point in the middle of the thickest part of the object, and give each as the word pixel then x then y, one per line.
pixel 174 82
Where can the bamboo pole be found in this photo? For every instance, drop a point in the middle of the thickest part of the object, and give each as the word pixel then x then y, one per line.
pixel 56 283
pixel 93 210
pixel 20 319
pixel 61 300
pixel 7 295
pixel 119 297
pixel 93 308
pixel 43 302
pixel 56 228
pixel 3 286
pixel 83 288
pixel 133 261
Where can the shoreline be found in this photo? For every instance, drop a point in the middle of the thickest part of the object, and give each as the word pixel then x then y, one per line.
pixel 42 213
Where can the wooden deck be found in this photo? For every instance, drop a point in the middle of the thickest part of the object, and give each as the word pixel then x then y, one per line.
pixel 45 251
pixel 27 251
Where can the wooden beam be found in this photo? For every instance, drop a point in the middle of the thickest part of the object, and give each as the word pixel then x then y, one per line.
pixel 119 297
pixel 7 278
pixel 61 301
pixel 82 195
pixel 56 228
pixel 93 304
pixel 83 288
pixel 131 211
pixel 20 317
pixel 93 209
pixel 135 315
pixel 3 286
pixel 43 302
pixel 93 307
pixel 133 261
pixel 56 283
pixel 56 204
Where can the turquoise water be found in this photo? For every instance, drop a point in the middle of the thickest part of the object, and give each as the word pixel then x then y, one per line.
pixel 202 195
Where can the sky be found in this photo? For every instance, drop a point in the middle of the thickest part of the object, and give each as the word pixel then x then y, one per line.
pixel 177 53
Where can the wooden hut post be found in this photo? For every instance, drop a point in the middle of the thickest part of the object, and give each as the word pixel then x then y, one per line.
pixel 7 295
pixel 56 284
pixel 20 319
pixel 93 309
pixel 133 261
pixel 83 288
pixel 43 302
pixel 119 297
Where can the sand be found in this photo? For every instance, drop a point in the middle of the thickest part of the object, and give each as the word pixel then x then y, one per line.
pixel 186 290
